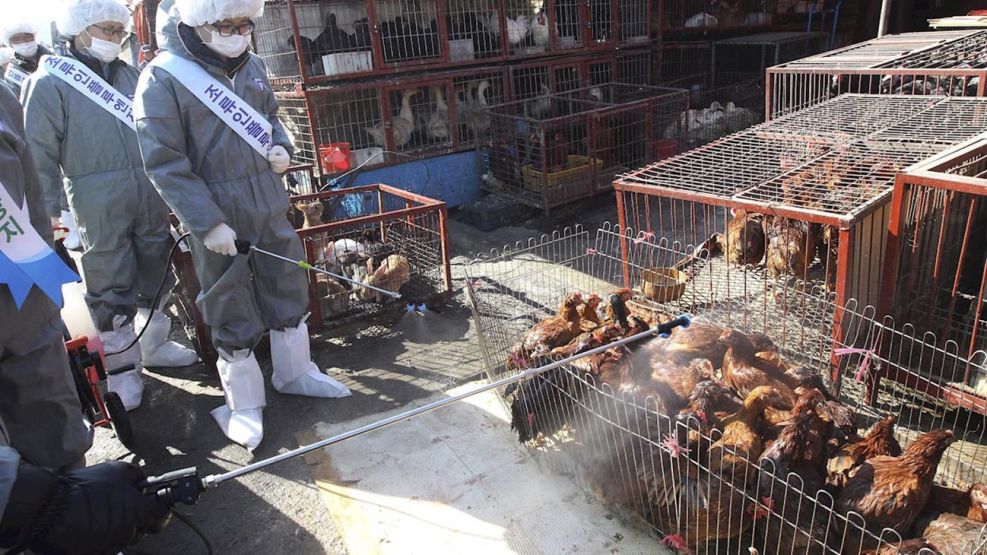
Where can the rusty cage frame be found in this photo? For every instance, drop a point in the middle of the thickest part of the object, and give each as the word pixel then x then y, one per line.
pixel 354 38
pixel 936 269
pixel 822 178
pixel 379 220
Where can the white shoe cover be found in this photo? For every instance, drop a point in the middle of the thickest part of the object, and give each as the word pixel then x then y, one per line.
pixel 128 385
pixel 72 239
pixel 294 371
pixel 242 417
pixel 156 350
pixel 245 426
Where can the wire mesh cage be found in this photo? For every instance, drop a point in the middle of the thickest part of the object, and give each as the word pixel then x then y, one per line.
pixel 753 54
pixel 474 94
pixel 690 16
pixel 804 199
pixel 377 235
pixel 687 65
pixel 326 39
pixel 950 63
pixel 474 30
pixel 557 148
pixel 936 272
pixel 664 458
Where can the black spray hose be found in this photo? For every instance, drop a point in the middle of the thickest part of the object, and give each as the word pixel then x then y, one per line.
pixel 157 296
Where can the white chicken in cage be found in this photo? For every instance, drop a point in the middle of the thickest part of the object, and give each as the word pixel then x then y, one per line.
pixel 517 28
pixel 539 28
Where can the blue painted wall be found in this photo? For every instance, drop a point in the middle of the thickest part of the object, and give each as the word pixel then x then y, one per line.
pixel 454 178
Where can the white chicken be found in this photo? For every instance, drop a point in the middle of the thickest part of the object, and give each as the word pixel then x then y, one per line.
pixel 517 28
pixel 539 28
pixel 438 122
pixel 402 125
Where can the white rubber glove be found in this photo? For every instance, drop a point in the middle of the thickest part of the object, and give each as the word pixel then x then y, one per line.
pixel 220 239
pixel 279 159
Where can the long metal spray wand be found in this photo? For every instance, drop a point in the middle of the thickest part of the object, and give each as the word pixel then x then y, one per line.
pixel 244 247
pixel 185 485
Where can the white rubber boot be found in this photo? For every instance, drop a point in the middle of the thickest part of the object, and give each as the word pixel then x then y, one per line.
pixel 294 371
pixel 242 417
pixel 72 239
pixel 156 350
pixel 128 385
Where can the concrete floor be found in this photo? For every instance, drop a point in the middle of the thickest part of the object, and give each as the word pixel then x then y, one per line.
pixel 390 365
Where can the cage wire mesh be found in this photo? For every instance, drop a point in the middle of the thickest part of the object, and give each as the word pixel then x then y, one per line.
pixel 333 38
pixel 627 443
pixel 352 119
pixel 293 113
pixel 409 31
pixel 554 149
pixel 474 94
pixel 634 18
pixel 936 276
pixel 378 235
pixel 943 63
pixel 474 29
pixel 802 199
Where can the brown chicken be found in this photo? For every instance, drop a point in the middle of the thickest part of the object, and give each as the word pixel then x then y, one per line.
pixel 743 243
pixel 700 415
pixel 740 443
pixel 953 535
pixel 685 344
pixel 879 441
pixel 744 371
pixel 548 334
pixel 889 492
pixel 828 252
pixel 678 381
pixel 588 312
pixel 791 246
pixel 970 503
pixel 791 467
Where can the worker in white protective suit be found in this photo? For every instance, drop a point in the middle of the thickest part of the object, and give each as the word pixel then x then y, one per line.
pixel 215 150
pixel 79 122
pixel 19 31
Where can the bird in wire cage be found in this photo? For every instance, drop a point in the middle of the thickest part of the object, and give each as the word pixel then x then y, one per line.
pixel 402 125
pixel 718 441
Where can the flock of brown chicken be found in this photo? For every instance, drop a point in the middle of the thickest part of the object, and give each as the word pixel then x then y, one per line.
pixel 728 445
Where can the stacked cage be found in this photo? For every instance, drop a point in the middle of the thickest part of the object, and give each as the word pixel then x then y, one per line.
pixel 936 273
pixel 553 149
pixel 362 124
pixel 804 200
pixel 950 63
pixel 317 41
pixel 720 102
pixel 640 445
pixel 377 235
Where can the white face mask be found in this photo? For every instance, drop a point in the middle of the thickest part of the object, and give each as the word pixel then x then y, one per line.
pixel 104 50
pixel 229 47
pixel 26 49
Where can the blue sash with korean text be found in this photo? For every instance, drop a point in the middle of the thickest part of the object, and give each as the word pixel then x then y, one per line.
pixel 246 122
pixel 92 86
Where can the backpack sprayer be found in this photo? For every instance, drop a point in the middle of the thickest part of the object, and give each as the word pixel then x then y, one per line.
pixel 185 486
